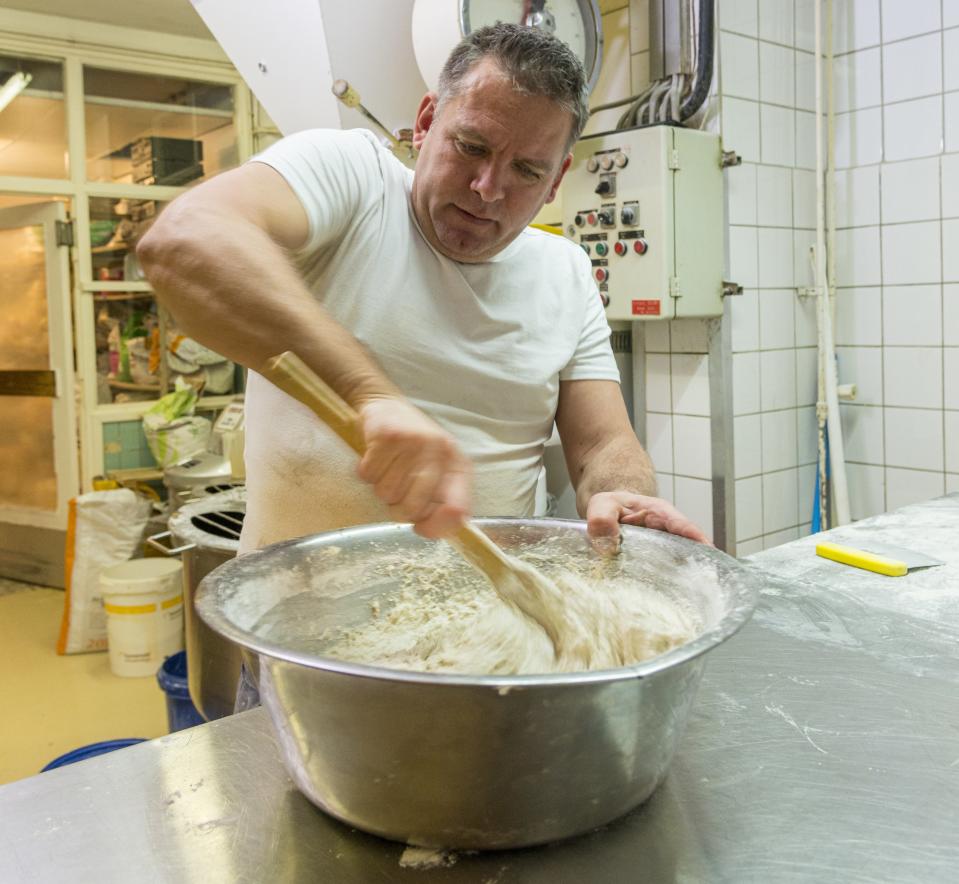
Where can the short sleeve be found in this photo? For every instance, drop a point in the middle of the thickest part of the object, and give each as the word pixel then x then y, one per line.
pixel 336 175
pixel 593 358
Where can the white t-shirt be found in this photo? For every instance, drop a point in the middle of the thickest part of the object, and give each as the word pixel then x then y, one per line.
pixel 481 348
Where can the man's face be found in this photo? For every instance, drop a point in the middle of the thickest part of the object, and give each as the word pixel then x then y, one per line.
pixel 488 162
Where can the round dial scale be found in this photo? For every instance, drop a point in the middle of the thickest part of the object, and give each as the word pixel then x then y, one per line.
pixel 439 24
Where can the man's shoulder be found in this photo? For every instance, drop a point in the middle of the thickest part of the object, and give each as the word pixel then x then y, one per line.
pixel 554 247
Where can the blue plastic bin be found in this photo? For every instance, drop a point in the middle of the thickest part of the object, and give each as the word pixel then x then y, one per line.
pixel 180 711
pixel 90 751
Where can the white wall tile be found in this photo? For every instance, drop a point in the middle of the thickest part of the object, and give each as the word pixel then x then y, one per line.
pixel 691 447
pixel 952 441
pixel 806 335
pixel 862 366
pixel 744 319
pixel 806 140
pixel 614 75
pixel 806 24
pixel 694 499
pixel 859 317
pixel 951 113
pixel 774 196
pixel 807 494
pixel 777 21
pixel 657 383
pixel 867 490
pixel 740 124
pixel 950 371
pixel 745 383
pixel 911 253
pixel 656 337
pixel 741 193
pixel 747 446
pixel 804 198
pixel 780 443
pixel 857 196
pixel 950 14
pixel 749 508
pixel 690 383
pixel 950 315
pixel 858 82
pixel 912 129
pixel 753 545
pixel 855 25
pixel 950 185
pixel 777 321
pixel 950 253
pixel 664 486
pixel 659 440
pixel 910 190
pixel 775 257
pixel 777 74
pixel 950 55
pixel 807 435
pixel 912 316
pixel 857 257
pixel 741 16
pixel 912 68
pixel 952 483
pixel 778 135
pixel 744 256
pixel 804 274
pixel 862 433
pixel 739 65
pixel 689 335
pixel 859 138
pixel 780 500
pixel 777 383
pixel 912 376
pixel 914 438
pixel 805 81
pixel 638 25
pixel 778 538
pixel 904 487
pixel 907 19
pixel 807 376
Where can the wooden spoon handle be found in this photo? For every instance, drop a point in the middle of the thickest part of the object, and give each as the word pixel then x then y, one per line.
pixel 294 377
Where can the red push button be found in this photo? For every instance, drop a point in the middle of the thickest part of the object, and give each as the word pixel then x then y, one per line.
pixel 591 219
pixel 640 246
pixel 619 247
pixel 602 274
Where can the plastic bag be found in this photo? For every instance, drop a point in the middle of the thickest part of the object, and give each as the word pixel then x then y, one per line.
pixel 104 528
pixel 172 432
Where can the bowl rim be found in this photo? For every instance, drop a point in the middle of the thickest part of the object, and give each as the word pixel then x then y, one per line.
pixel 744 599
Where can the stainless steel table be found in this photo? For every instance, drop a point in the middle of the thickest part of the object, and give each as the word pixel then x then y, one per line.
pixel 824 746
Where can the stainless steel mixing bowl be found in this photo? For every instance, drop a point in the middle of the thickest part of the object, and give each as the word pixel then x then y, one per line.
pixel 463 761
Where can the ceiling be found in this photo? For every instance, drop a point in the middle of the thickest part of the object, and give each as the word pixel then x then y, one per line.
pixel 165 16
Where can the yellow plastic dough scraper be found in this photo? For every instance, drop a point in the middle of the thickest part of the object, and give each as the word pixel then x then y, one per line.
pixel 893 561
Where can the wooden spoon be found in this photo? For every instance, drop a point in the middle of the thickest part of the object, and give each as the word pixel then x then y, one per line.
pixel 515 581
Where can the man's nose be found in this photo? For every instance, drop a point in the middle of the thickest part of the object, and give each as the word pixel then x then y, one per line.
pixel 489 182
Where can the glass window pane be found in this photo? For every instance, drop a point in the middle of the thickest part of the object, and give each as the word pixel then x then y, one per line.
pixel 156 130
pixel 115 227
pixel 33 130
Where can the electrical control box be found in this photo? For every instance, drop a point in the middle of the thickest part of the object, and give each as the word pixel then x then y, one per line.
pixel 646 205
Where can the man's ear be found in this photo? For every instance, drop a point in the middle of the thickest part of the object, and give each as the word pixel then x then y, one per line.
pixel 559 178
pixel 425 116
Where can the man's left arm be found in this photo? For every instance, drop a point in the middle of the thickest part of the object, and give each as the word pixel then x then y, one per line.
pixel 612 474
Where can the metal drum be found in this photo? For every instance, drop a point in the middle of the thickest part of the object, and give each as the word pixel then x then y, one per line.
pixel 206 533
pixel 467 761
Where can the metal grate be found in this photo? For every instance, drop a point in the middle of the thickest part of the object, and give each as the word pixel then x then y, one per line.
pixel 220 523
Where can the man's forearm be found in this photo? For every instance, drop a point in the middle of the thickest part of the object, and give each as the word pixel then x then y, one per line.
pixel 233 289
pixel 620 464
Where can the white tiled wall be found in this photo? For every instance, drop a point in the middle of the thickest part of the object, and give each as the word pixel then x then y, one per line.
pixel 897 323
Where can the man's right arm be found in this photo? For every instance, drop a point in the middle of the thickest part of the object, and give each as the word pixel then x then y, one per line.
pixel 217 259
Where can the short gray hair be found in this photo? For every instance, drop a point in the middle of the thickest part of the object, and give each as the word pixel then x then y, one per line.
pixel 536 62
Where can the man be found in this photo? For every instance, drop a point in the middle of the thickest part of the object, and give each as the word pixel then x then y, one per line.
pixel 458 333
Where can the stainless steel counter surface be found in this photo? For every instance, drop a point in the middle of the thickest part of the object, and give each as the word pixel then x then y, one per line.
pixel 824 746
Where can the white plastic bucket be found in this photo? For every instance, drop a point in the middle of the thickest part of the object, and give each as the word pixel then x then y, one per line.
pixel 143 599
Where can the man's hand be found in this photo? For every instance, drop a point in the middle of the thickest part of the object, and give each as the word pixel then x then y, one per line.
pixel 607 509
pixel 415 467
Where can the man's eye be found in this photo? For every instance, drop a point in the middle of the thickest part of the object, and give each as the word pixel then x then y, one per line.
pixel 529 173
pixel 474 150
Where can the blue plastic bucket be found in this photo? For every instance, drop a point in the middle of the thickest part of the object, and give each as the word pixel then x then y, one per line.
pixel 180 711
pixel 90 751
